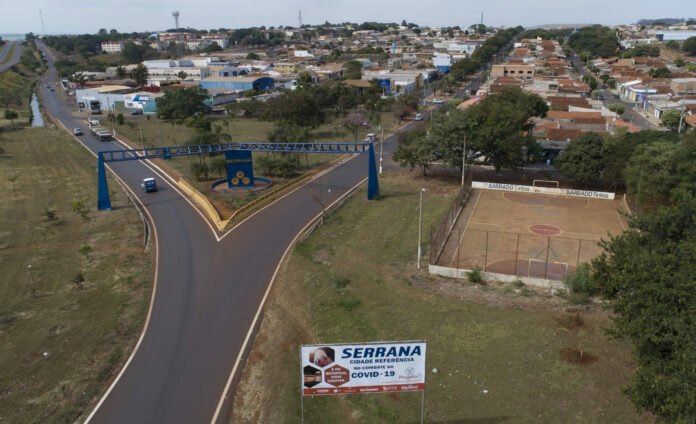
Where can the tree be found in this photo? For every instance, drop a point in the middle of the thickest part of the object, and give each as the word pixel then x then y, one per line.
pixel 670 119
pixel 11 115
pixel 679 62
pixel 498 128
pixel 182 103
pixel 590 81
pixel 356 122
pixel 617 108
pixel 598 40
pixel 646 277
pixel 659 73
pixel 416 148
pixel 583 159
pixel 212 48
pixel 182 75
pixel 672 45
pixel 611 83
pixel 140 74
pixel 689 46
pixel 658 170
pixel 301 107
pixel 304 79
pixel 353 69
pixel 121 72
pixel 252 56
pixel 79 79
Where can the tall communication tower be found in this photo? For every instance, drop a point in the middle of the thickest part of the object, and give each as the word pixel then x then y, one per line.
pixel 299 18
pixel 175 14
pixel 481 19
pixel 43 27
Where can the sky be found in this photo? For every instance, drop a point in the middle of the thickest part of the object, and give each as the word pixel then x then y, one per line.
pixel 88 16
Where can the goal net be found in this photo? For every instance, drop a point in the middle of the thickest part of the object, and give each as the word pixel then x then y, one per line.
pixel 545 183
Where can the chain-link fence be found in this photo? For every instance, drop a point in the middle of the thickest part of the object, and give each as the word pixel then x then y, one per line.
pixel 440 234
pixel 523 255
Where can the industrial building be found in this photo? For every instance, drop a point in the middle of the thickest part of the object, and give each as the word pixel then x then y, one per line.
pixel 238 83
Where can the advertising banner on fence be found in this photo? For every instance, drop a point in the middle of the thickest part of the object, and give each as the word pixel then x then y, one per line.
pixel 363 368
pixel 543 190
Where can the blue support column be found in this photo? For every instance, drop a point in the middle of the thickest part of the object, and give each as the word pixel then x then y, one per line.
pixel 372 181
pixel 103 203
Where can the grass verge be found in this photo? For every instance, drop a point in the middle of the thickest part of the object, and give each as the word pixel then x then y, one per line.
pixel 354 280
pixel 76 283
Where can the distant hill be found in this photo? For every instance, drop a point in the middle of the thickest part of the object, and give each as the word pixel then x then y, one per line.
pixel 558 26
pixel 667 21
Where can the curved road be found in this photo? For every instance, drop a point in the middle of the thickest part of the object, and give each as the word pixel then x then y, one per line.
pixel 15 55
pixel 208 288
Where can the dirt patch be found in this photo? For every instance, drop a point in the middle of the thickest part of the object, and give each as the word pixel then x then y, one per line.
pixel 571 322
pixel 321 256
pixel 577 357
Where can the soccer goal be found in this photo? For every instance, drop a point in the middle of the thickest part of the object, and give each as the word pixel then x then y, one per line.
pixel 545 183
pixel 539 268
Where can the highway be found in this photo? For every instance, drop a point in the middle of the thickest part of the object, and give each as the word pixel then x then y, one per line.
pixel 208 287
pixel 15 56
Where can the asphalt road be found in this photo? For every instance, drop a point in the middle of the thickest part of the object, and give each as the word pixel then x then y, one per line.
pixel 207 289
pixel 15 56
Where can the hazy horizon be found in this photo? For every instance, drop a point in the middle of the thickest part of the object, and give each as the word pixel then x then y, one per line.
pixel 78 17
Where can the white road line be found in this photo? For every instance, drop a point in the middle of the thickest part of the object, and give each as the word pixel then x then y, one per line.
pixel 263 302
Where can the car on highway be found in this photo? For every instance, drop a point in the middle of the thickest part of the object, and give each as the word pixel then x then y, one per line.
pixel 149 185
pixel 438 101
pixel 77 131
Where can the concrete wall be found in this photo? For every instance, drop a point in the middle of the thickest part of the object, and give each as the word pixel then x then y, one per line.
pixel 491 276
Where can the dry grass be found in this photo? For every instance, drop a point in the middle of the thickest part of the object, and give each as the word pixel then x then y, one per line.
pixel 74 289
pixel 495 361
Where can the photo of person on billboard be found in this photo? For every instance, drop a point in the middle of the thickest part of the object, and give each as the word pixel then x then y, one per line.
pixel 322 356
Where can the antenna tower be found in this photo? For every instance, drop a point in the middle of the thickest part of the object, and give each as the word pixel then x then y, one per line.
pixel 300 19
pixel 482 19
pixel 175 14
pixel 43 27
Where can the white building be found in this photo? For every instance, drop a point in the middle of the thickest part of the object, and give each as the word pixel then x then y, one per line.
pixel 112 46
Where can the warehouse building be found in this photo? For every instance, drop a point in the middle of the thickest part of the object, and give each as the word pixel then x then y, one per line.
pixel 238 83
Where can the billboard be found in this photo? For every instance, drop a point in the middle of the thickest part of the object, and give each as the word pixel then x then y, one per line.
pixel 544 190
pixel 363 368
pixel 240 168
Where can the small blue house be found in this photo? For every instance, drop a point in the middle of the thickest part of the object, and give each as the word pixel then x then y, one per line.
pixel 238 83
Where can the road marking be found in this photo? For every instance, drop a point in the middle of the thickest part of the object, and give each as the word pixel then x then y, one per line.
pixel 223 397
pixel 124 186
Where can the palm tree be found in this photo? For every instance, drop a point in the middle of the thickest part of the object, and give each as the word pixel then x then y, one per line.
pixel 79 79
pixel 182 75
pixel 121 72
pixel 140 74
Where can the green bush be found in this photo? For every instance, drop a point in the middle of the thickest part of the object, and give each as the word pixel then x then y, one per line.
pixel 475 275
pixel 339 281
pixel 581 281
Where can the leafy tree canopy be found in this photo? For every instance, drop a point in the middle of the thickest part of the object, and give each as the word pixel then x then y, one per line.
pixel 182 103
pixel 583 159
pixel 597 39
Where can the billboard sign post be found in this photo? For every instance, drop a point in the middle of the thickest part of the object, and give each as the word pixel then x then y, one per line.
pixel 334 369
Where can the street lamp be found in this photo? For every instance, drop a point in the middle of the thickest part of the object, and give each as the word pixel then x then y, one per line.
pixel 420 226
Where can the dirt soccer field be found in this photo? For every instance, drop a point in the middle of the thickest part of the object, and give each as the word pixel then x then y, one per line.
pixel 530 234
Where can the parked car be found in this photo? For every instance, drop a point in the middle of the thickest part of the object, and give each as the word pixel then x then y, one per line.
pixel 438 101
pixel 149 184
pixel 371 138
pixel 77 131
pixel 137 112
pixel 418 117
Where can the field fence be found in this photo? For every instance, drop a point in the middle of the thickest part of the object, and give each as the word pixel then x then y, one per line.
pixel 522 255
pixel 440 234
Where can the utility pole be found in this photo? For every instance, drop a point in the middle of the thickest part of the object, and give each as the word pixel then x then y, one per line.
pixel 464 162
pixel 681 116
pixel 43 27
pixel 381 149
